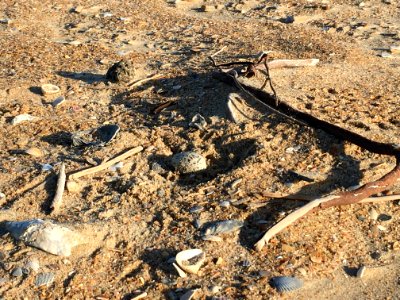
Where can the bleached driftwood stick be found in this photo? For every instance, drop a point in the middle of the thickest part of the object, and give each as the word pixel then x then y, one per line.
pixel 291 218
pixel 292 63
pixel 107 164
pixel 377 199
pixel 57 201
pixel 141 81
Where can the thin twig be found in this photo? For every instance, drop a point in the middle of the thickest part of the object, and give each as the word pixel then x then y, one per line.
pixel 106 164
pixel 219 51
pixel 377 199
pixel 57 201
pixel 141 81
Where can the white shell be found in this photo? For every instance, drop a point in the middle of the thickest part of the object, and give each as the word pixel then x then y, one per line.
pixel 33 264
pixel 44 279
pixel 45 235
pixel 190 260
pixel 21 118
pixel 188 162
pixel 49 89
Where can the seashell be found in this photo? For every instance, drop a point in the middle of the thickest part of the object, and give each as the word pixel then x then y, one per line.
pixel 188 162
pixel 43 279
pixel 35 152
pixel 21 118
pixel 33 264
pixel 198 122
pixel 45 235
pixel 373 214
pixel 190 260
pixel 121 71
pixel 181 273
pixel 17 272
pixel 49 89
pixel 361 272
pixel 286 284
pixel 222 227
pixel 95 137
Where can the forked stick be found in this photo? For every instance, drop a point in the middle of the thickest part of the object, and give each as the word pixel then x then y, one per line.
pixel 106 164
pixel 343 198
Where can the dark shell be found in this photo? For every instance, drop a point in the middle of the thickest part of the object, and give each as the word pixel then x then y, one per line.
pixel 286 284
pixel 95 137
pixel 121 71
pixel 221 227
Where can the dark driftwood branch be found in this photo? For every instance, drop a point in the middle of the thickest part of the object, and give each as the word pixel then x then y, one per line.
pixel 284 109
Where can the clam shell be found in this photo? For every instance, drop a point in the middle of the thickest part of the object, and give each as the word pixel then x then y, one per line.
pixel 49 89
pixel 45 235
pixel 286 284
pixel 190 260
pixel 35 152
pixel 188 162
pixel 44 279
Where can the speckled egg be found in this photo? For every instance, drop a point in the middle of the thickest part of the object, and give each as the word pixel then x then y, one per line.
pixel 188 162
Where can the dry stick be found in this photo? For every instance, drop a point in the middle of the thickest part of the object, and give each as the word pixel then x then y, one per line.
pixel 141 81
pixel 343 198
pixel 106 164
pixel 377 199
pixel 292 63
pixel 57 201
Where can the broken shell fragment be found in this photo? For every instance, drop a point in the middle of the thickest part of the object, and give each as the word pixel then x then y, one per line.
pixel 222 227
pixel 286 284
pixel 188 162
pixel 21 118
pixel 45 235
pixel 49 89
pixel 35 152
pixel 43 279
pixel 95 137
pixel 190 260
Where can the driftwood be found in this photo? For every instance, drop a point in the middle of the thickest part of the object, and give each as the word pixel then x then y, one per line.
pixel 105 165
pixel 57 201
pixel 285 110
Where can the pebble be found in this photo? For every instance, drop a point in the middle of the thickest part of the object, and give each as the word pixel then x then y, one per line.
pixel 215 289
pixel 47 167
pixel 373 214
pixel 17 272
pixel 188 162
pixel 196 209
pixel 58 101
pixel 225 203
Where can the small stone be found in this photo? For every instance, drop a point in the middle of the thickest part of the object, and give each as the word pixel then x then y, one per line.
pixel 58 101
pixel 17 272
pixel 33 264
pixel 373 214
pixel 225 204
pixel 47 167
pixel 215 289
pixel 196 209
pixel 219 261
